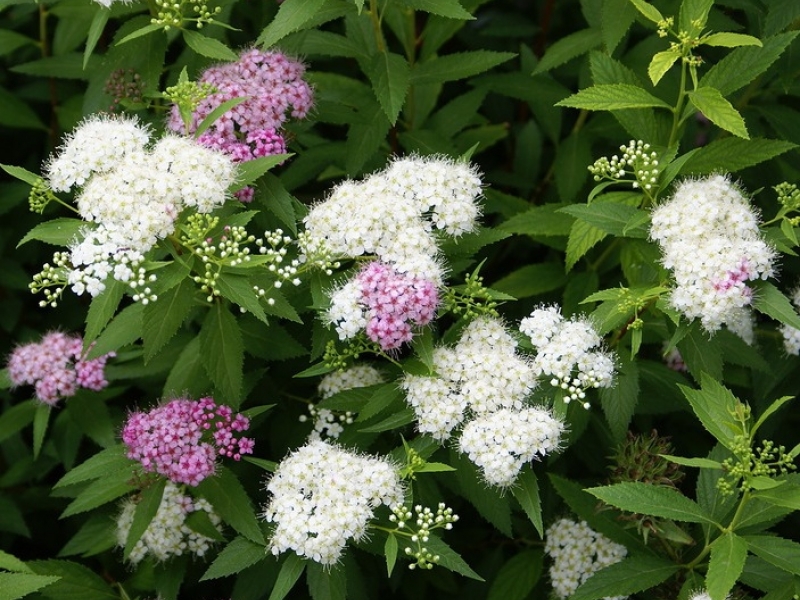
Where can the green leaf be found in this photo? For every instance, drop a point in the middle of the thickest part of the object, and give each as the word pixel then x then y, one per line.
pixel 326 583
pixel 239 290
pixel 9 562
pixel 518 576
pixel 568 47
pixel 714 404
pixel 248 172
pixel 619 401
pixel 572 156
pixel 107 488
pixel 17 585
pixel 782 553
pixel 312 42
pixel 612 96
pixel 451 9
pixel 292 16
pixel 95 31
pixel 728 553
pixel 730 40
pixel 526 491
pixel 235 557
pixel 615 219
pixel 352 399
pixel 162 319
pixel 21 174
pixel 693 15
pixel 106 461
pixel 718 110
pixel 231 502
pixel 90 414
pixel 17 114
pixel 188 373
pixel 381 399
pixel 364 138
pixel 771 409
pixel 496 510
pixel 76 582
pixel 223 353
pixel 768 300
pixel 652 500
pixel 146 509
pixel 532 280
pixel 649 11
pixel 58 232
pixel 102 310
pixel 123 329
pixel 732 154
pixel 147 29
pixel 395 421
pixel 390 550
pixel 63 66
pixel 206 46
pixel 11 40
pixel 544 220
pixel 275 198
pixel 389 74
pixel 661 63
pixel 786 495
pixel 631 575
pixel 617 17
pixel 460 65
pixel 703 463
pixel 701 353
pixel 215 114
pixel 449 559
pixel 743 65
pixel 290 572
pixel 40 421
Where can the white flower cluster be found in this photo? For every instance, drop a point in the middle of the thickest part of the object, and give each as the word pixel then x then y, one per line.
pixel 791 336
pixel 347 379
pixel 482 373
pixel 501 442
pixel 566 352
pixel 709 236
pixel 323 495
pixel 391 214
pixel 702 595
pixel 168 534
pixel 483 380
pixel 132 193
pixel 578 552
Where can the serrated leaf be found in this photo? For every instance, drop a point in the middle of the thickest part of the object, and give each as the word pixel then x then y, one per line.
pixel 617 219
pixel 719 111
pixel 703 463
pixel 652 500
pixel 123 329
pixel 451 9
pixel 572 156
pixel 701 353
pixel 58 232
pixel 248 172
pixel 526 491
pixel 17 585
pixel 90 414
pixel 41 419
pixel 769 300
pixel 206 46
pixel 16 113
pixel 290 572
pixel 352 399
pixel 101 310
pixel 381 399
pixel 544 220
pixel 614 96
pixel 770 410
pixel 616 19
pixel 9 562
pixel 277 200
pixel 146 509
pixel 714 404
pixel 450 559
pixel 460 65
pixel 730 40
pixel 235 557
pixel 292 16
pixel 568 47
pixel 390 551
pixel 364 137
pixel 313 42
pixel 649 11
pixel 162 319
pixel 21 174
pixel 395 421
pixel 661 63
pixel 619 401
pixel 215 114
pixel 101 491
pixel 230 501
pixel 239 290
pixel 188 373
pixel 784 554
pixel 389 74
pixel 631 575
pixel 108 460
pixel 147 29
pixel 728 553
pixel 693 15
pixel 11 40
pixel 95 31
pixel 326 583
pixel 532 280
pixel 76 582
pixel 222 352
pixel 63 66
pixel 518 576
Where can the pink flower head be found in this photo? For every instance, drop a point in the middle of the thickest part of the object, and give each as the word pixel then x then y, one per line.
pixel 56 368
pixel 394 301
pixel 181 439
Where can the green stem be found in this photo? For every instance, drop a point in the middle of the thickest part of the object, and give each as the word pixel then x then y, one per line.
pixel 376 25
pixel 676 112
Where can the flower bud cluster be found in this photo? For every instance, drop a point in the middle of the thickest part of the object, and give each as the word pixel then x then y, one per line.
pixel 425 522
pixel 124 85
pixel 324 495
pixel 565 352
pixel 384 303
pixel 637 162
pixel 133 196
pixel 712 253
pixel 748 462
pixel 578 552
pixel 168 534
pixel 175 13
pixel 391 214
pixel 181 439
pixel 55 367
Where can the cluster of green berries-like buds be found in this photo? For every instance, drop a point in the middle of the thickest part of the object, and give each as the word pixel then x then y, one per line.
pixel 637 164
pixel 768 460
pixel 316 253
pixel 340 358
pixel 40 196
pixel 172 13
pixel 52 276
pixel 418 530
pixel 788 195
pixel 471 300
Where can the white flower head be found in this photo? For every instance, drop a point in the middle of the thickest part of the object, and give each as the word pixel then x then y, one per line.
pixel 356 376
pixel 324 495
pixel 578 552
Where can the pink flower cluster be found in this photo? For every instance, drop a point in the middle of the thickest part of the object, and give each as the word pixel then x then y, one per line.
pixel 181 439
pixel 394 301
pixel 55 367
pixel 273 85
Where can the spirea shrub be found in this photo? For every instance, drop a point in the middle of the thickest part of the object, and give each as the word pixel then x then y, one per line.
pixel 408 299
